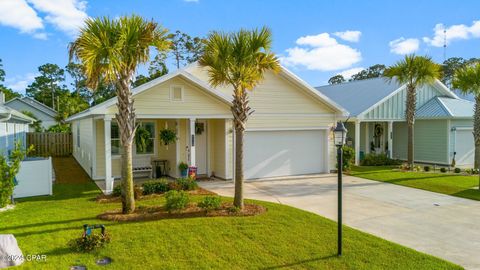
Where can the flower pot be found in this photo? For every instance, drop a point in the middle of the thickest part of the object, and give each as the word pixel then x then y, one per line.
pixel 184 173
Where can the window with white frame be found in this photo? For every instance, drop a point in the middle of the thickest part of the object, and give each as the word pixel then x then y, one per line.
pixel 78 134
pixel 115 139
pixel 150 143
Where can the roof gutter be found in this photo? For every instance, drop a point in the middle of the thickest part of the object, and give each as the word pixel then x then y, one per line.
pixel 6 118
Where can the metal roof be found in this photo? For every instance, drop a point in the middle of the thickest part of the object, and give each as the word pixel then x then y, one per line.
pixel 14 114
pixel 445 107
pixel 358 96
pixel 36 104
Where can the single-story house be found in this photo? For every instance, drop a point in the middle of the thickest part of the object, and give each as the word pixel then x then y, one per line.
pixel 41 111
pixel 288 134
pixel 442 129
pixel 13 127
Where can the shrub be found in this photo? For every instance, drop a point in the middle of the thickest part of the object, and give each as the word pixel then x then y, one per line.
pixel 443 169
pixel 90 242
pixel 457 170
pixel 176 200
pixel 348 157
pixel 117 191
pixel 182 166
pixel 210 203
pixel 426 168
pixel 155 186
pixel 378 160
pixel 187 183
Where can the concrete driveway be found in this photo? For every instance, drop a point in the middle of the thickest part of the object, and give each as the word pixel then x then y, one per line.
pixel 437 224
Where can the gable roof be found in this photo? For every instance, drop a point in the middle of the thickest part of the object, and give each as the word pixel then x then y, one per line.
pixel 445 107
pixel 7 113
pixel 184 73
pixel 358 97
pixel 101 108
pixel 35 104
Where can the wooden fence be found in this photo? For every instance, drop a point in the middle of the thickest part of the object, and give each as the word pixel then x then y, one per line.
pixel 50 144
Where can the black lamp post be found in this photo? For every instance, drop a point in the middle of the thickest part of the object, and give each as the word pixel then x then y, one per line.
pixel 340 133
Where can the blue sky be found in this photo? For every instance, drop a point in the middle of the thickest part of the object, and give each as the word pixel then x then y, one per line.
pixel 315 39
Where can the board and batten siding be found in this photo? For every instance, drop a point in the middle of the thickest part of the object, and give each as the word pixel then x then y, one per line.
pixel 83 153
pixel 430 141
pixel 393 108
pixel 9 134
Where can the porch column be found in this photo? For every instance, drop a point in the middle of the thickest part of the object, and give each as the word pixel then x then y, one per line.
pixel 390 139
pixel 192 142
pixel 357 142
pixel 108 155
pixel 367 139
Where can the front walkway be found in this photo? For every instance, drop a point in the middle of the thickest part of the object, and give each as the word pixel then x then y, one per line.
pixel 437 224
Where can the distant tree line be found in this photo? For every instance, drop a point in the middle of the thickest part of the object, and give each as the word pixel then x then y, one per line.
pixel 50 87
pixel 448 69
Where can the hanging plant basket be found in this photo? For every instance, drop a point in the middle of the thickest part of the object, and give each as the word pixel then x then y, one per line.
pixel 141 138
pixel 167 136
pixel 199 128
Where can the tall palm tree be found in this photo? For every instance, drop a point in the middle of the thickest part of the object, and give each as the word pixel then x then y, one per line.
pixel 414 71
pixel 110 51
pixel 239 59
pixel 467 79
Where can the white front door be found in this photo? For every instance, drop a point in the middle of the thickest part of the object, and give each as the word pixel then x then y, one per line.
pixel 201 146
pixel 464 147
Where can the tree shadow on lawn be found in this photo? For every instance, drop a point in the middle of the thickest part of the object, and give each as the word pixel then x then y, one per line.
pixel 66 192
pixel 300 263
pixel 473 194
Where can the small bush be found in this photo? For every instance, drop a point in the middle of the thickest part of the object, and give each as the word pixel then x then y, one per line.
pixel 443 170
pixel 210 203
pixel 155 186
pixel 90 242
pixel 457 170
pixel 379 160
pixel 176 200
pixel 426 168
pixel 234 210
pixel 117 191
pixel 187 183
pixel 348 157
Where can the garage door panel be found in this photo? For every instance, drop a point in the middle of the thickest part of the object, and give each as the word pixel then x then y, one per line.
pixel 283 153
pixel 464 147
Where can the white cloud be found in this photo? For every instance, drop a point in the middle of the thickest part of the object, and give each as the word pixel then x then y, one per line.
pixel 347 74
pixel 20 83
pixel 404 46
pixel 352 36
pixel 66 15
pixel 18 14
pixel 321 52
pixel 453 32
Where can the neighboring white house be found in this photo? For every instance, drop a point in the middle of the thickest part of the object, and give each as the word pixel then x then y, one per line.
pixel 13 127
pixel 41 111
pixel 288 134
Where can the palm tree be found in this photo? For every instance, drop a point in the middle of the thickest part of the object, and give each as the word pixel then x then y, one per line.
pixel 467 79
pixel 239 59
pixel 110 51
pixel 414 71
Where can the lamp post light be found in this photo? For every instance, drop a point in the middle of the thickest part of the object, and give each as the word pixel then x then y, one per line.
pixel 340 133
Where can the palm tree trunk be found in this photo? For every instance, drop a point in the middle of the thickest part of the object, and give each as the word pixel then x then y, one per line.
pixel 241 111
pixel 476 132
pixel 126 123
pixel 239 178
pixel 411 104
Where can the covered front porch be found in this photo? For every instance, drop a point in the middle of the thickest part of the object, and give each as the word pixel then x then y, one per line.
pixel 370 136
pixel 200 141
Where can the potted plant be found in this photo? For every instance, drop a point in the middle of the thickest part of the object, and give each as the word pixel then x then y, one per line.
pixel 167 136
pixel 183 167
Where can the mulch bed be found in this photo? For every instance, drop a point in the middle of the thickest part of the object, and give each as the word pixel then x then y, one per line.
pixel 102 198
pixel 192 210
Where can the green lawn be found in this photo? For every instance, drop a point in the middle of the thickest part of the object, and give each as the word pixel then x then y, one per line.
pixel 446 183
pixel 283 238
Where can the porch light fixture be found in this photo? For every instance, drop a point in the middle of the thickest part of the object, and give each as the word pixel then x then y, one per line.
pixel 339 133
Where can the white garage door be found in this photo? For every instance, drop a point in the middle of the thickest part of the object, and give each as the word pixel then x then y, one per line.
pixel 282 153
pixel 464 147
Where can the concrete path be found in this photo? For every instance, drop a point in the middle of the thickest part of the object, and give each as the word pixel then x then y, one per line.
pixel 437 224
